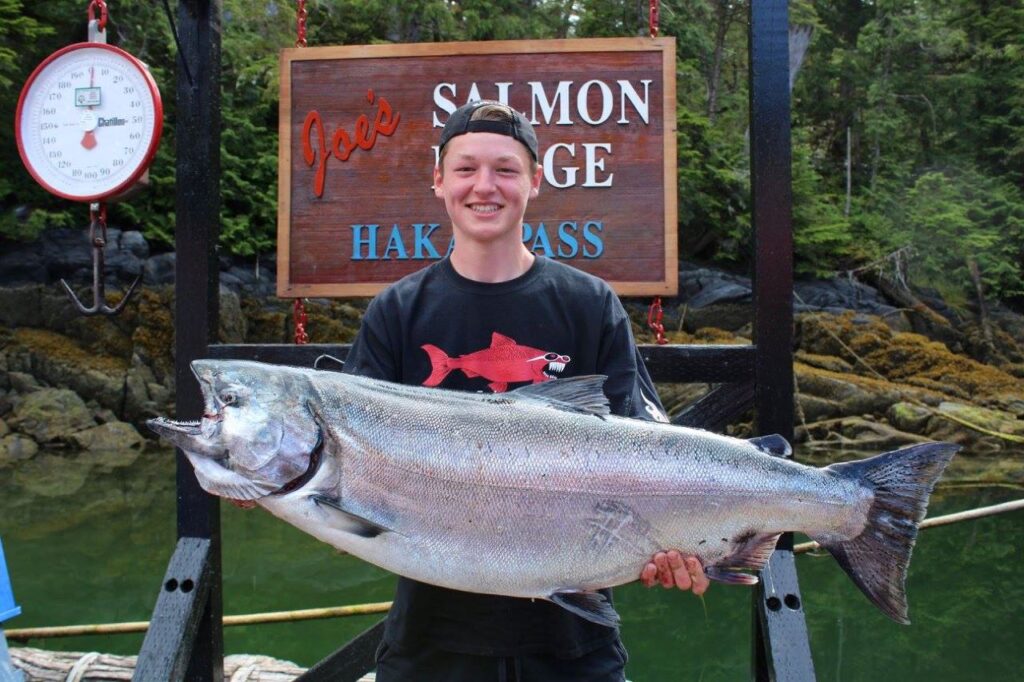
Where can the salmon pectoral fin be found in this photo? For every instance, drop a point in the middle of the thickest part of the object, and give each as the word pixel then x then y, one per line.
pixel 877 559
pixel 751 554
pixel 589 605
pixel 343 519
pixel 730 576
pixel 218 480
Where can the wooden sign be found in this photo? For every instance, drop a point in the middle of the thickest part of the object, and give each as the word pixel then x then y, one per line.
pixel 358 143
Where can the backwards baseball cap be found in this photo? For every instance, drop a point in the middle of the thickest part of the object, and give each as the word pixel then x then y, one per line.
pixel 513 124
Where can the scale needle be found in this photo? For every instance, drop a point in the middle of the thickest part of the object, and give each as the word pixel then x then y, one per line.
pixel 88 120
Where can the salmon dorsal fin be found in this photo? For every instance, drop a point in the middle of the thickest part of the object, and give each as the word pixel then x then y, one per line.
pixel 772 445
pixel 501 340
pixel 582 394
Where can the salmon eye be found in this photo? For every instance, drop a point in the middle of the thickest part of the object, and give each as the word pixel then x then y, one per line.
pixel 228 398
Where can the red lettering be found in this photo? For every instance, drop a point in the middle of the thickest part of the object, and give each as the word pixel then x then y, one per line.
pixel 313 119
pixel 385 122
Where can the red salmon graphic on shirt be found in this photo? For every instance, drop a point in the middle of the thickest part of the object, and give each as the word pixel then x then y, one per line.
pixel 504 363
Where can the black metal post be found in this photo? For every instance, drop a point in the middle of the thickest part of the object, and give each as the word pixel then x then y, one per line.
pixel 197 207
pixel 781 649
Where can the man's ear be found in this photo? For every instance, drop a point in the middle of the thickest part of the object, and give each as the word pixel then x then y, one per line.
pixel 438 178
pixel 535 181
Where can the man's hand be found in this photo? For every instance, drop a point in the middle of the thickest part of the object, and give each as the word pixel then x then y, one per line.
pixel 672 569
pixel 242 504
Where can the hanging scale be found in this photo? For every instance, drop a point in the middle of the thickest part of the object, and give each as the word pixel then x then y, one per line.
pixel 88 124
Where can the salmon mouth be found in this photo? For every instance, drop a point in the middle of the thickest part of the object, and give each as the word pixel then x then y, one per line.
pixel 187 435
pixel 164 426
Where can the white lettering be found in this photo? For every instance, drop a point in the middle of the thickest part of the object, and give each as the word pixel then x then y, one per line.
pixel 549 166
pixel 442 103
pixel 548 106
pixel 642 107
pixel 474 94
pixel 593 164
pixel 503 92
pixel 583 105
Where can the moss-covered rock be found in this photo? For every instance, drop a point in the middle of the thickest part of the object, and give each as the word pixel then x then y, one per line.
pixel 50 415
pixel 58 361
pixel 15 448
pixel 153 334
pixel 856 395
pixel 854 433
pixel 116 435
pixel 909 417
pixel 995 421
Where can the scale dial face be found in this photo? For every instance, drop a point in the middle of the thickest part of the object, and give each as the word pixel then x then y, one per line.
pixel 89 121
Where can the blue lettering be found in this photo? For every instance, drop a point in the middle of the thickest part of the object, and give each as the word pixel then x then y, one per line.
pixel 527 232
pixel 451 246
pixel 423 241
pixel 589 228
pixel 370 242
pixel 396 244
pixel 566 237
pixel 542 240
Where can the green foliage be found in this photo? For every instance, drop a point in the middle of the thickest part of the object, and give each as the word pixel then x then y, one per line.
pixel 954 218
pixel 821 233
pixel 932 95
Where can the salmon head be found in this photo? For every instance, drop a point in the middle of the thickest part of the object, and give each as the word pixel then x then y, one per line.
pixel 258 434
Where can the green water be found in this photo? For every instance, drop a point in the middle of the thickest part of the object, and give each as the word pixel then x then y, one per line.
pixel 88 539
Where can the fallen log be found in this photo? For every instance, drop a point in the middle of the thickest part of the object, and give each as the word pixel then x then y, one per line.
pixel 40 665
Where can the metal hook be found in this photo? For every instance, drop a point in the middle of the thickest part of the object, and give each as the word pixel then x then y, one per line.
pixel 99 300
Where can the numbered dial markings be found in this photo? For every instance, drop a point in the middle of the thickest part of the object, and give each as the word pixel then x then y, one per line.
pixel 89 121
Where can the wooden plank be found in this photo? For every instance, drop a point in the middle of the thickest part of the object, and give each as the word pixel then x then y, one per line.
pixel 666 363
pixel 167 649
pixel 350 662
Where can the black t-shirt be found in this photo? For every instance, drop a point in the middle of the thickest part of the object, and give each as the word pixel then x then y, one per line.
pixel 437 328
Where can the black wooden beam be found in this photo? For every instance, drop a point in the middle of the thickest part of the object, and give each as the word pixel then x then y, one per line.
pixel 719 408
pixel 666 363
pixel 350 662
pixel 196 311
pixel 781 649
pixel 171 637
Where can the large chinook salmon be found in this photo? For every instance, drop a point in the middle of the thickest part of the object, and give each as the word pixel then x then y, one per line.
pixel 538 492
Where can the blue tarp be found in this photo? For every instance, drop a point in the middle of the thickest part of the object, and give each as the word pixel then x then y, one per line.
pixel 8 609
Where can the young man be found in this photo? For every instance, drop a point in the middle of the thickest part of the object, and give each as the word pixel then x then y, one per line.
pixel 490 317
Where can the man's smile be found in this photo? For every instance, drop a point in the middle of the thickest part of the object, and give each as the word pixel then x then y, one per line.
pixel 485 209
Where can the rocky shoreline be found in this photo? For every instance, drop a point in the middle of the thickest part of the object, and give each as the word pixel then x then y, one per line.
pixel 871 372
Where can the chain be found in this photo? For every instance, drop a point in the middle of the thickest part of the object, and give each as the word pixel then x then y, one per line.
pixel 102 6
pixel 300 24
pixel 654 316
pixel 299 308
pixel 299 315
pixel 98 216
pixel 654 312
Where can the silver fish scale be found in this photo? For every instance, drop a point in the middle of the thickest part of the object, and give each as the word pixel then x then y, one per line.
pixel 497 494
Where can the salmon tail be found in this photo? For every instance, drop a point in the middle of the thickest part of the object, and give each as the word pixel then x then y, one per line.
pixel 440 364
pixel 877 559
